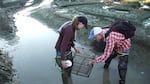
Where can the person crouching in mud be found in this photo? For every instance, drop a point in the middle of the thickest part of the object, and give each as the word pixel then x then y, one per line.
pixel 64 44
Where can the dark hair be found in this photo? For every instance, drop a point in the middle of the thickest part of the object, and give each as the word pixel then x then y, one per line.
pixel 83 20
pixel 77 19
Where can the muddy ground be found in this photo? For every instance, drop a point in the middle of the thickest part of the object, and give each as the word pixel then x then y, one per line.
pixel 56 14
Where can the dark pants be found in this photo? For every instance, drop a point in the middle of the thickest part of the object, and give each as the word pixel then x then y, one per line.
pixel 65 72
pixel 113 55
pixel 122 66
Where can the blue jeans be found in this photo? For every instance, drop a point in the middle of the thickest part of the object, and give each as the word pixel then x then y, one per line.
pixel 58 53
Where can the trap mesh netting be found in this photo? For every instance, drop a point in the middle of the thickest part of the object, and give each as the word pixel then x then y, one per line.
pixel 80 66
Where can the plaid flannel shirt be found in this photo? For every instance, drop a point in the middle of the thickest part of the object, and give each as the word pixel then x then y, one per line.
pixel 114 40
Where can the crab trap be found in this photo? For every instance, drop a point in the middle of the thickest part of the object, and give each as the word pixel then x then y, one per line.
pixel 80 65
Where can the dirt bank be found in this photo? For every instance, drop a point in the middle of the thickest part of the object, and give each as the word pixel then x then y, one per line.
pixel 8 35
pixel 7 72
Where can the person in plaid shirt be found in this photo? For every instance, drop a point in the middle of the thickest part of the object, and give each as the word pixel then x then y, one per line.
pixel 116 44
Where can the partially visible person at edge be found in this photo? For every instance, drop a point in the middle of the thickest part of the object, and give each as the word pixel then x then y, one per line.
pixel 116 44
pixel 64 44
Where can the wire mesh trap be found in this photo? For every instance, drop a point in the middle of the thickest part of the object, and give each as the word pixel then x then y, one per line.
pixel 80 66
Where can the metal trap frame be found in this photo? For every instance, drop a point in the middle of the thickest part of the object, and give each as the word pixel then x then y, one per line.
pixel 80 66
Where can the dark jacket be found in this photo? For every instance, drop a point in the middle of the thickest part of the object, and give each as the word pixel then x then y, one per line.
pixel 65 40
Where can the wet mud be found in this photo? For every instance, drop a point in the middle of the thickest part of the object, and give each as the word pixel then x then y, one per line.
pixel 139 56
pixel 53 17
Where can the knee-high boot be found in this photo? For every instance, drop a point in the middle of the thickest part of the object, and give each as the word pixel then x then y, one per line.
pixel 122 68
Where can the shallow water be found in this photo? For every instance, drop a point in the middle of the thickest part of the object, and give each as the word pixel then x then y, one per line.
pixel 34 56
pixel 34 53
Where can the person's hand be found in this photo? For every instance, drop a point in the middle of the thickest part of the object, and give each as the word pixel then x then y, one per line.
pixel 91 62
pixel 76 50
pixel 64 64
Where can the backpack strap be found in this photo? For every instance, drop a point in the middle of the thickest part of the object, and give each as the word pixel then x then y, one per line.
pixel 60 28
pixel 108 32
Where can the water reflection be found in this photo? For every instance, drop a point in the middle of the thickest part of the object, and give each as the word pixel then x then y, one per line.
pixel 106 79
pixel 34 57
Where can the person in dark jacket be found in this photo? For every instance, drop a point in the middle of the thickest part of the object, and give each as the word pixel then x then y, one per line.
pixel 64 44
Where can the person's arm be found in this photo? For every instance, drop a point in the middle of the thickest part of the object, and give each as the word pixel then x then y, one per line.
pixel 110 43
pixel 64 45
pixel 65 42
pixel 73 45
pixel 76 50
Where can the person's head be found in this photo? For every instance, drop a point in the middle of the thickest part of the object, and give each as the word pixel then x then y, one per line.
pixel 96 33
pixel 79 22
